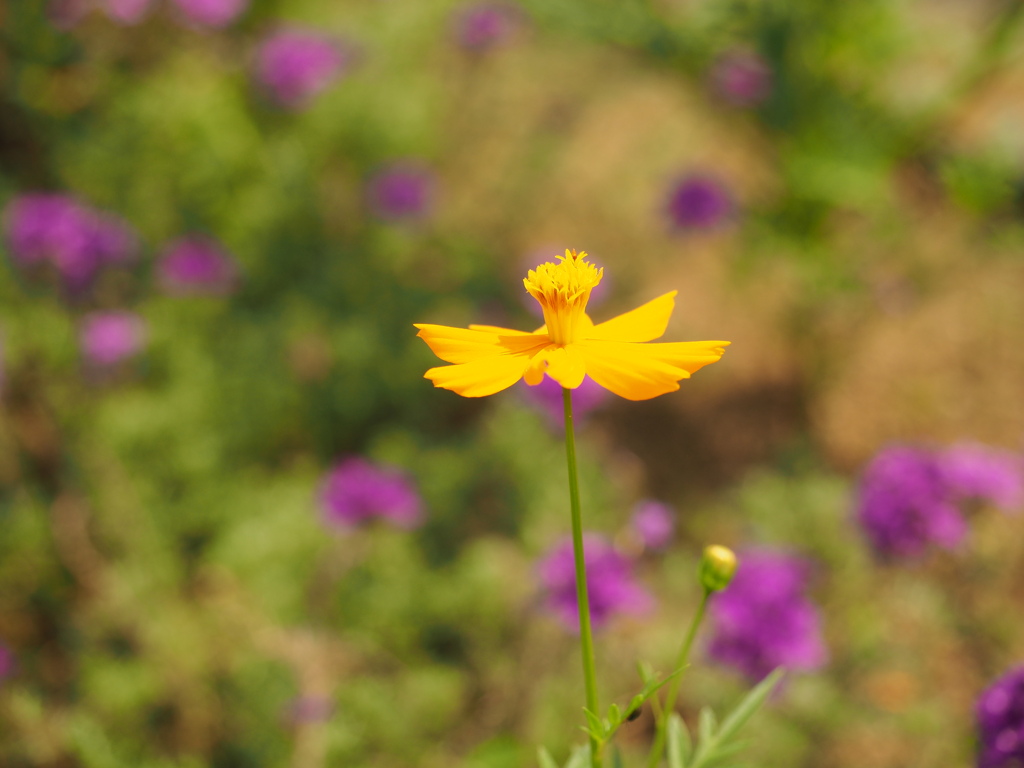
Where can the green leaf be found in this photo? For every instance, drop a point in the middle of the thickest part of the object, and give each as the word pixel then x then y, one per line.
pixel 595 728
pixel 679 744
pixel 653 686
pixel 706 727
pixel 750 704
pixel 718 746
pixel 614 715
pixel 646 672
pixel 545 759
pixel 580 758
pixel 706 737
pixel 603 731
pixel 723 751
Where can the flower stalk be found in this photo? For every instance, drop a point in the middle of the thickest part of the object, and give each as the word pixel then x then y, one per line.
pixel 658 748
pixel 582 599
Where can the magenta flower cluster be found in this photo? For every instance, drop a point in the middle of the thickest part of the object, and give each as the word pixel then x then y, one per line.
pixel 483 26
pixel 741 78
pixel 654 523
pixel 764 618
pixel 196 265
pixel 51 232
pixel 698 201
pixel 1000 716
pixel 107 338
pixel 57 234
pixel 295 64
pixel 611 586
pixel 976 471
pixel 126 11
pixel 401 191
pixel 356 491
pixel 910 498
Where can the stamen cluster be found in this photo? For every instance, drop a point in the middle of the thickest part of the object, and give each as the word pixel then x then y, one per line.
pixel 563 290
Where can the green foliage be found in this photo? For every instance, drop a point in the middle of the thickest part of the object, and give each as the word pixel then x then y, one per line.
pixel 580 758
pixel 716 743
pixel 168 587
pixel 602 730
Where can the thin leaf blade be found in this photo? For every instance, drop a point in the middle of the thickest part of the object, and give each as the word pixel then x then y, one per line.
pixel 679 744
pixel 544 759
pixel 749 705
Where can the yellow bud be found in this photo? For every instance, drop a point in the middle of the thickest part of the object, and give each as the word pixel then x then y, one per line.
pixel 717 567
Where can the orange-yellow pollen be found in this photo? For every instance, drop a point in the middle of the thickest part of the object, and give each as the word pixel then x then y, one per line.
pixel 562 290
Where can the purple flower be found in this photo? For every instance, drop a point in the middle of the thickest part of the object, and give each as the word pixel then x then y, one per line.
pixel 74 239
pixel 904 503
pixel 48 227
pixel 1000 713
pixel 610 585
pixel 355 491
pixel 763 620
pixel 654 523
pixel 741 78
pixel 211 13
pixel 698 201
pixel 107 338
pixel 294 65
pixel 547 396
pixel 979 472
pixel 401 191
pixel 127 11
pixel 483 26
pixel 909 497
pixel 196 265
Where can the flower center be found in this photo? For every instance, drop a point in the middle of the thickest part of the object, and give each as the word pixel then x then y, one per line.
pixel 562 290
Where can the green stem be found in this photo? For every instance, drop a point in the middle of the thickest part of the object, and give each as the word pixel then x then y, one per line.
pixel 586 635
pixel 673 688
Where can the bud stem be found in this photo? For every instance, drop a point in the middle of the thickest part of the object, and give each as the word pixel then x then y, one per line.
pixel 658 748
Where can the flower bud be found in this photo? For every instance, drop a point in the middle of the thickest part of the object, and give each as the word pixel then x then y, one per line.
pixel 717 567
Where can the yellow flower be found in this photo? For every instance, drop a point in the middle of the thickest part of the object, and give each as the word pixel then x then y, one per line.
pixel 569 346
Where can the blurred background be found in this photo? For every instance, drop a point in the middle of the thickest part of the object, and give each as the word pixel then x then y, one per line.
pixel 237 526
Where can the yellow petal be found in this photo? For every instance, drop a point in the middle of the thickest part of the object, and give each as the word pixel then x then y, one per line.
pixel 498 330
pixel 464 345
pixel 585 324
pixel 643 371
pixel 645 323
pixel 534 374
pixel 480 377
pixel 567 366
